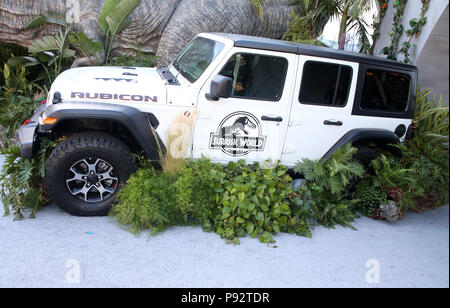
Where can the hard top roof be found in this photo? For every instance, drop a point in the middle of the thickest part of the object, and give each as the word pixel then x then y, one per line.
pixel 254 42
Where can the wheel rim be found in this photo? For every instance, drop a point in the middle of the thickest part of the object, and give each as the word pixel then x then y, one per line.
pixel 92 180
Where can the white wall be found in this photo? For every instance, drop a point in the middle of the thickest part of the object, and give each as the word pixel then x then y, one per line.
pixel 431 52
pixel 412 10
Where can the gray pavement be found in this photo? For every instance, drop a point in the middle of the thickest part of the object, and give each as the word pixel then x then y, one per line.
pixel 59 250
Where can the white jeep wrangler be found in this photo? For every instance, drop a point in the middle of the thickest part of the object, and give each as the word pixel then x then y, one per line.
pixel 248 97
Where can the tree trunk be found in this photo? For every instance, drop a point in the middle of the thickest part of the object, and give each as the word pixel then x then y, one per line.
pixel 343 28
pixel 161 27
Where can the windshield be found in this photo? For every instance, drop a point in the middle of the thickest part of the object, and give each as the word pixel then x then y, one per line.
pixel 196 58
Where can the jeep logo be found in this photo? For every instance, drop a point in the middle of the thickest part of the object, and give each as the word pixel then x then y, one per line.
pixel 120 97
pixel 238 134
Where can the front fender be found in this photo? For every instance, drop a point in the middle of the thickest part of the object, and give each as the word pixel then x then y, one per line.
pixel 141 125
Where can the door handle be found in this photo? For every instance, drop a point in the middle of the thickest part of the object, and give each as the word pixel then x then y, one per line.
pixel 273 119
pixel 329 122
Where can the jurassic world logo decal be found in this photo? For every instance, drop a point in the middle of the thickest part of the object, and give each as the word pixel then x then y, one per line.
pixel 238 134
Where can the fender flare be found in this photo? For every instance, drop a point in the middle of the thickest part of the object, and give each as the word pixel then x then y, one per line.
pixel 355 135
pixel 141 125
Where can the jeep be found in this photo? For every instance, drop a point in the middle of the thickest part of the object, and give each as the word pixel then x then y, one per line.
pixel 248 98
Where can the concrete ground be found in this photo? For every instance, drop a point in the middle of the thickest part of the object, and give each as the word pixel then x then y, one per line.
pixel 59 250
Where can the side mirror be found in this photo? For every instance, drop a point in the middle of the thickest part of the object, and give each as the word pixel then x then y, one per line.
pixel 221 86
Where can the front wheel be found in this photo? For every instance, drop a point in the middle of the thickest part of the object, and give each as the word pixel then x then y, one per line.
pixel 85 171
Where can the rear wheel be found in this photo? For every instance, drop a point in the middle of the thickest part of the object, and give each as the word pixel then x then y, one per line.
pixel 365 155
pixel 85 171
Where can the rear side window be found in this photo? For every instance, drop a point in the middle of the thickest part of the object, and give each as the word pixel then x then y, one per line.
pixel 325 84
pixel 385 91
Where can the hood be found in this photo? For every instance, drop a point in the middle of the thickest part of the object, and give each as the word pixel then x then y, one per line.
pixel 110 84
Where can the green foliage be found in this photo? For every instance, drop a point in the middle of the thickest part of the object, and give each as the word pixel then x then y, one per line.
pixel 88 47
pixel 329 181
pixel 396 180
pixel 315 14
pixel 370 197
pixel 141 59
pixel 114 18
pixel 332 176
pixel 427 153
pixel 416 26
pixel 148 201
pixel 22 180
pixel 196 190
pixel 54 53
pixel 298 32
pixel 397 30
pixel 254 200
pixel 16 105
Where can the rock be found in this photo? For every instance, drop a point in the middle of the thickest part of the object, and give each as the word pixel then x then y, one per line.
pixel 390 211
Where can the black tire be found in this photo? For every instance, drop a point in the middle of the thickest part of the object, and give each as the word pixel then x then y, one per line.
pixel 71 153
pixel 365 155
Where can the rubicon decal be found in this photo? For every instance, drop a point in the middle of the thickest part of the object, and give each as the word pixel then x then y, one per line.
pixel 120 97
pixel 238 134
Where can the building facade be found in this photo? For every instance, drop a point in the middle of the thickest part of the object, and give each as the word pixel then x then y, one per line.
pixel 431 51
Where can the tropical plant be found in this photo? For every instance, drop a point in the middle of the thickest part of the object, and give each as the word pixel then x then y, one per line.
pixel 370 198
pixel 114 18
pixel 329 181
pixel 348 11
pixel 22 180
pixel 17 101
pixel 51 51
pixel 427 153
pixel 396 180
pixel 333 175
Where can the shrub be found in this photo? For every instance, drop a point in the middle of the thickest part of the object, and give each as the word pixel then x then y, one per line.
pixel 253 200
pixel 370 198
pixel 148 201
pixel 16 102
pixel 236 200
pixel 396 180
pixel 196 186
pixel 427 153
pixel 328 182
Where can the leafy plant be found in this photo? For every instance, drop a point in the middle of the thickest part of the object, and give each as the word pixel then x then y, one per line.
pixel 22 180
pixel 328 181
pixel 148 201
pixel 370 197
pixel 427 153
pixel 396 180
pixel 348 11
pixel 334 175
pixel 254 200
pixel 16 101
pixel 141 59
pixel 114 18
